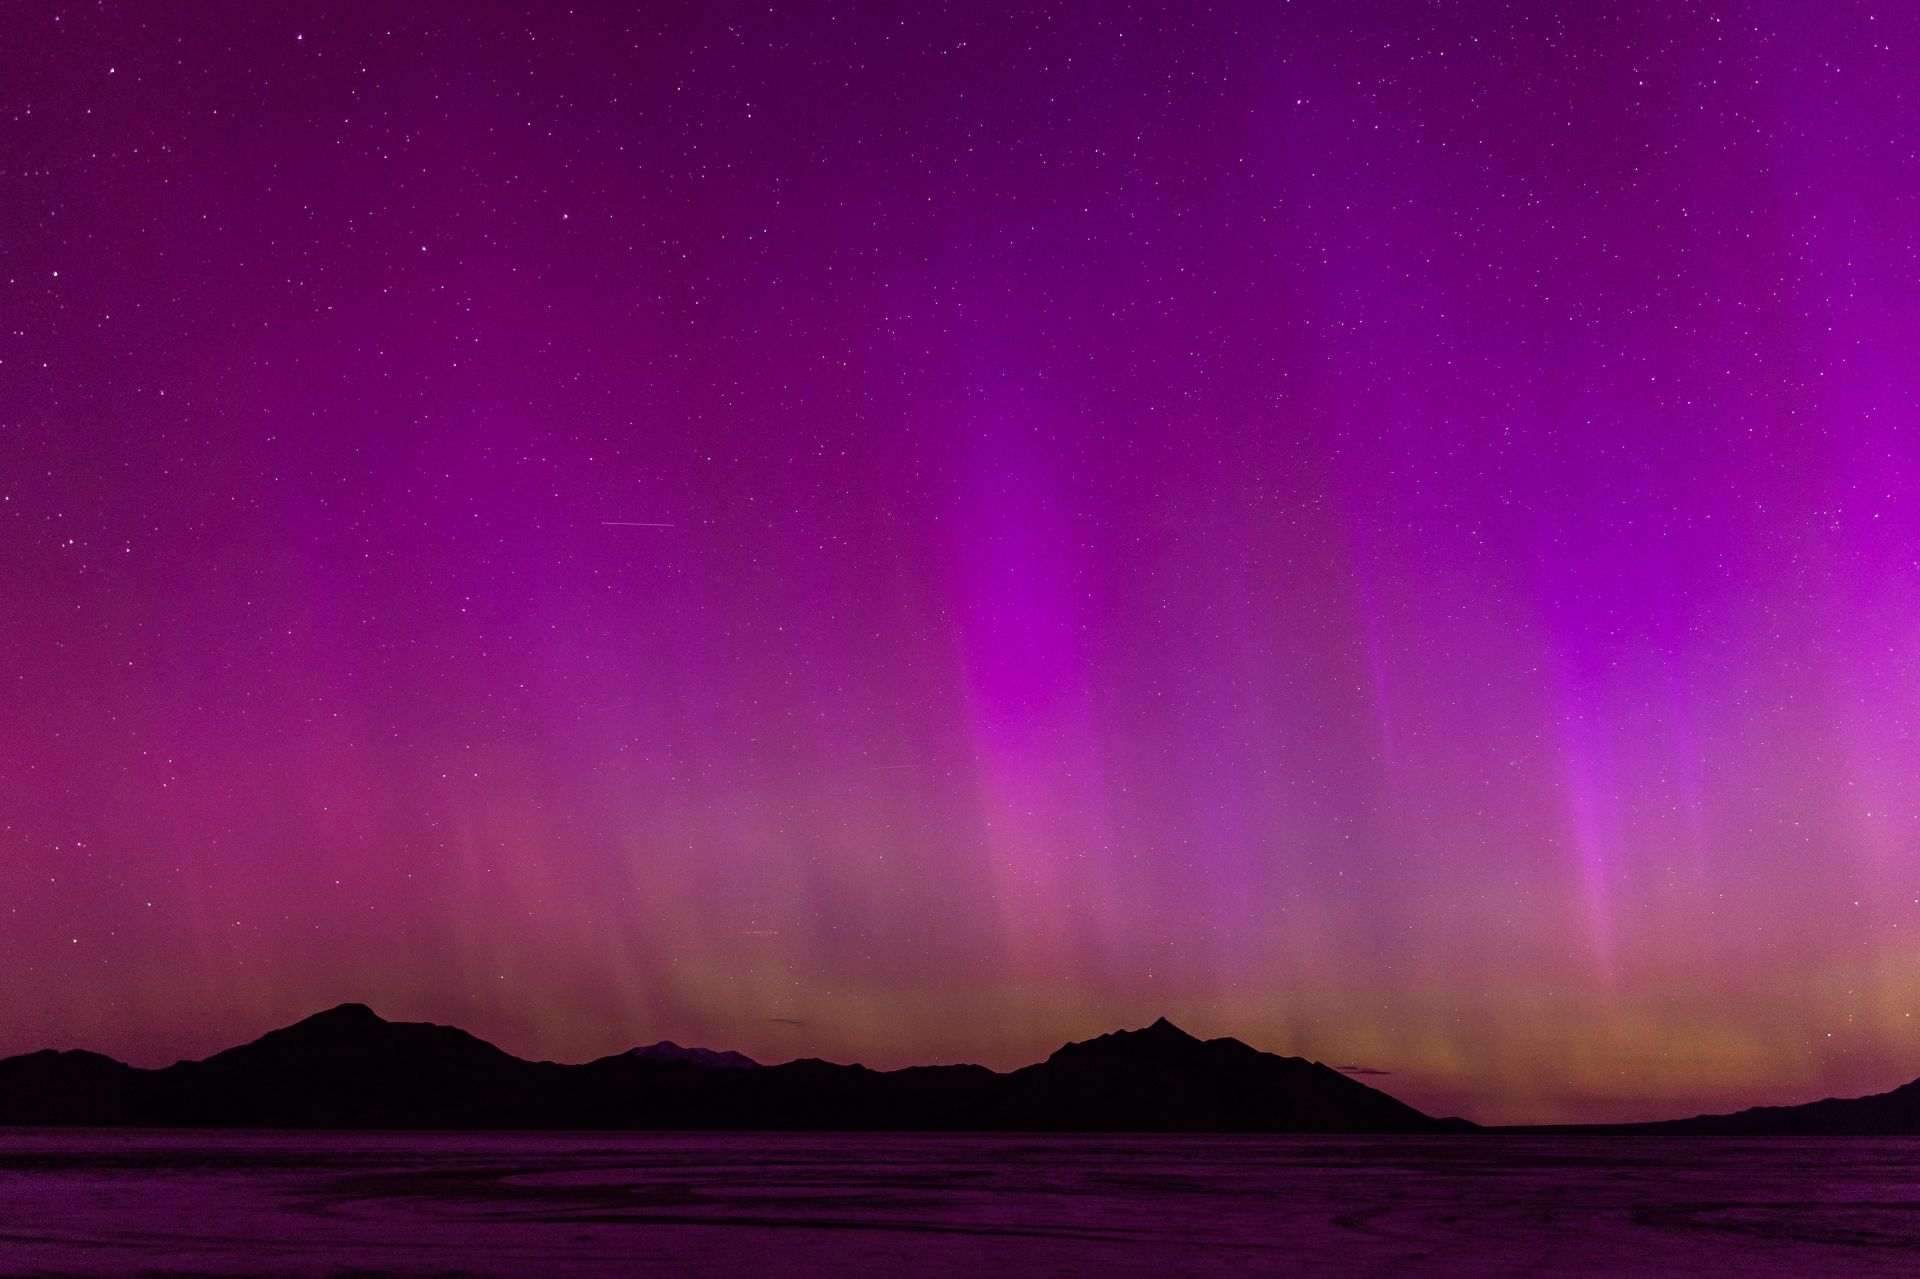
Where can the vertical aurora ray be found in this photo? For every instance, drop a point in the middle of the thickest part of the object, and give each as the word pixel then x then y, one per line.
pixel 1385 531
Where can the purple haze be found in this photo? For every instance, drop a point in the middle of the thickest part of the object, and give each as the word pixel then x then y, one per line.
pixel 1387 530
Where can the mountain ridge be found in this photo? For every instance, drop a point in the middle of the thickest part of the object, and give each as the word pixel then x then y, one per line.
pixel 348 1067
pixel 1894 1113
pixel 709 1058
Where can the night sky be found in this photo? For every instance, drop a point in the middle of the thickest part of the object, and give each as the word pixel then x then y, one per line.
pixel 916 533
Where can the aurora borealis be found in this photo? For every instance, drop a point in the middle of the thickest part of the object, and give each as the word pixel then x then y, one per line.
pixel 907 533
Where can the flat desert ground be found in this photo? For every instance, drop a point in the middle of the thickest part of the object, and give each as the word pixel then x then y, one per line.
pixel 155 1203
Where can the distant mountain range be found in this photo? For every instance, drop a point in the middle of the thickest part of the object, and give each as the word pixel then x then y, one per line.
pixel 350 1068
pixel 1887 1114
pixel 667 1050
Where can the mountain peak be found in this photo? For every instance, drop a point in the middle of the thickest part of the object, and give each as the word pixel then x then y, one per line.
pixel 1160 1040
pixel 346 1016
pixel 1160 1078
pixel 1161 1034
pixel 667 1050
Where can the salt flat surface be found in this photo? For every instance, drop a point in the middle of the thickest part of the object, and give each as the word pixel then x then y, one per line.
pixel 164 1203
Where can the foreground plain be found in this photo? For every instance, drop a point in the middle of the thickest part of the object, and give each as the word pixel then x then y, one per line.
pixel 123 1202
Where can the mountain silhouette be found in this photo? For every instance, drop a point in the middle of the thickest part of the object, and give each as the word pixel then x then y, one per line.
pixel 49 1087
pixel 667 1050
pixel 1164 1079
pixel 1887 1114
pixel 350 1068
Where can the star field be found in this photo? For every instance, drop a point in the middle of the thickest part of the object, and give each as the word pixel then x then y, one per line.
pixel 908 533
